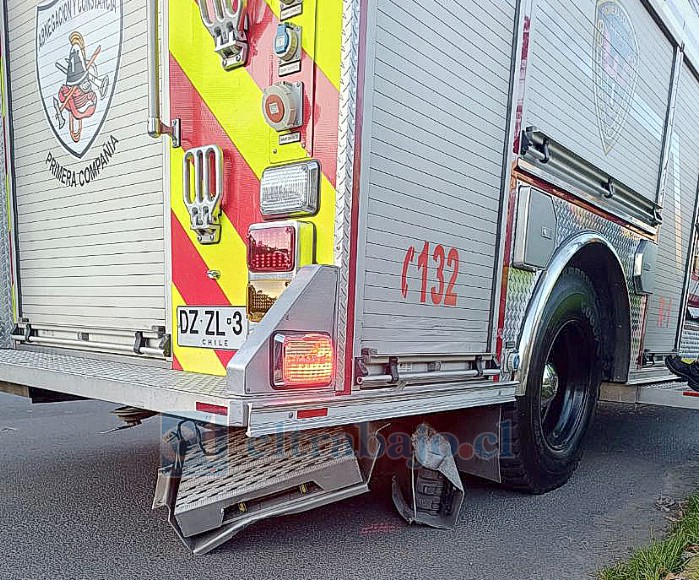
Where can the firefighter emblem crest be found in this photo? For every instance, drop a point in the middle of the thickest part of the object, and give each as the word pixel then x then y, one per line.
pixel 615 67
pixel 78 49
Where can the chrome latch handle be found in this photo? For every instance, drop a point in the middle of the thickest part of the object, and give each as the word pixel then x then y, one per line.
pixel 228 27
pixel 202 189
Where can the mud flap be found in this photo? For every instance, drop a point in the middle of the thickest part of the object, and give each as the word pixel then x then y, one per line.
pixel 219 481
pixel 433 483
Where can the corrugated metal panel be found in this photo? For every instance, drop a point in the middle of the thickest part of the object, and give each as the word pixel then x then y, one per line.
pixel 598 83
pixel 676 231
pixel 92 256
pixel 438 102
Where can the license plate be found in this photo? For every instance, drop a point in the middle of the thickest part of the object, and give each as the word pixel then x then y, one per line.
pixel 222 328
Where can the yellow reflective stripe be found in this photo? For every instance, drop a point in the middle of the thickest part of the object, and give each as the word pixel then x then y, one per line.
pixel 194 360
pixel 228 257
pixel 328 54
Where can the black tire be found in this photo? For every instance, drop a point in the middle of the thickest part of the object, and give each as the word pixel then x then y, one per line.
pixel 547 426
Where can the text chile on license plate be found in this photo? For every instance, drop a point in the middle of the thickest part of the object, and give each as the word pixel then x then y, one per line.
pixel 222 328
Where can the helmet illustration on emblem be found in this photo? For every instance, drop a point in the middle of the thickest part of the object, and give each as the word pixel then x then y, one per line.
pixel 73 40
pixel 76 96
pixel 615 65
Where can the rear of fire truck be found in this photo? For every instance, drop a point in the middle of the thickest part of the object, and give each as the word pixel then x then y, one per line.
pixel 208 265
pixel 309 232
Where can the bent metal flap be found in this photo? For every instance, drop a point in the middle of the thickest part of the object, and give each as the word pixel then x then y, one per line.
pixel 78 48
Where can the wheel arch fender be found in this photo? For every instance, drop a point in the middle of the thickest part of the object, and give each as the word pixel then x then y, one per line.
pixel 594 255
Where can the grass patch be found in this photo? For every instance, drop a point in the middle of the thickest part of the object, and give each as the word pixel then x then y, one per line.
pixel 664 557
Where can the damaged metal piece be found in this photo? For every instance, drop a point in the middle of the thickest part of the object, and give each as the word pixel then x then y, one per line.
pixel 433 483
pixel 216 482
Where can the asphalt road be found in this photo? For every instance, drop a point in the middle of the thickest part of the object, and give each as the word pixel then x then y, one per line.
pixel 75 504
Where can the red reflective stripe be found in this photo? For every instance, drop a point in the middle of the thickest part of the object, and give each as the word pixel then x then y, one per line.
pixel 176 366
pixel 212 409
pixel 311 413
pixel 189 271
pixel 691 394
pixel 241 200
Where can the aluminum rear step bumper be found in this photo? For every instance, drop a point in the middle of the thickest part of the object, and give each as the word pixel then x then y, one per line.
pixel 214 490
pixel 125 383
pixel 670 393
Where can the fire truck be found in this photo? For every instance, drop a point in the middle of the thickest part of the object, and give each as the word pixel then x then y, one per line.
pixel 303 232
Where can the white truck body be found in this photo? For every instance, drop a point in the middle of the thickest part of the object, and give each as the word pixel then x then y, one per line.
pixel 467 156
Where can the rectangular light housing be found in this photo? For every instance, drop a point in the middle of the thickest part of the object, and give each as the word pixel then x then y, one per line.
pixel 262 294
pixel 279 249
pixel 290 190
pixel 303 360
pixel 272 249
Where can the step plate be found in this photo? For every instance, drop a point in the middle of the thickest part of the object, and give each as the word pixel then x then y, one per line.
pixel 673 394
pixel 236 480
pixel 664 394
pixel 130 382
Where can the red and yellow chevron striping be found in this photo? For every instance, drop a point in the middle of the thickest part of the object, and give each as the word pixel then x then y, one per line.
pixel 223 108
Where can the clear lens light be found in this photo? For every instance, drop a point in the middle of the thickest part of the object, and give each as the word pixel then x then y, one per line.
pixel 290 189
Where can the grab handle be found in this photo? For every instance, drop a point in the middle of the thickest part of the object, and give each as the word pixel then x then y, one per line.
pixel 156 127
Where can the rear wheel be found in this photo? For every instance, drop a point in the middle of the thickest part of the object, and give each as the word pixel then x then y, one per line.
pixel 547 426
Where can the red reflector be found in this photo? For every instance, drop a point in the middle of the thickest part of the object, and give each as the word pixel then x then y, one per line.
pixel 691 394
pixel 304 360
pixel 311 413
pixel 272 249
pixel 212 409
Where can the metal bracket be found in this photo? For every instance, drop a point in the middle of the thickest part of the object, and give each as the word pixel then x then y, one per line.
pixel 540 150
pixel 434 489
pixel 228 27
pixel 392 369
pixel 611 189
pixel 204 206
pixel 139 342
pixel 156 128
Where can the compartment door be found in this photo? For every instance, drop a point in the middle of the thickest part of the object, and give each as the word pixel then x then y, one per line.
pixel 666 305
pixel 88 181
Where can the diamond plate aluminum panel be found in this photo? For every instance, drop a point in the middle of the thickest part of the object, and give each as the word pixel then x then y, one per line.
pixel 6 311
pixel 242 467
pixel 520 289
pixel 689 345
pixel 345 172
pixel 573 220
pixel 119 372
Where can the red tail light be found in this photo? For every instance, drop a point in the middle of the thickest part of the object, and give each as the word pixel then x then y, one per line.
pixel 272 249
pixel 303 360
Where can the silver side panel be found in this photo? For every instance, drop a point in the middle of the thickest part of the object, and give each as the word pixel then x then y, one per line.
pixel 435 124
pixel 665 308
pixel 91 256
pixel 689 343
pixel 599 79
